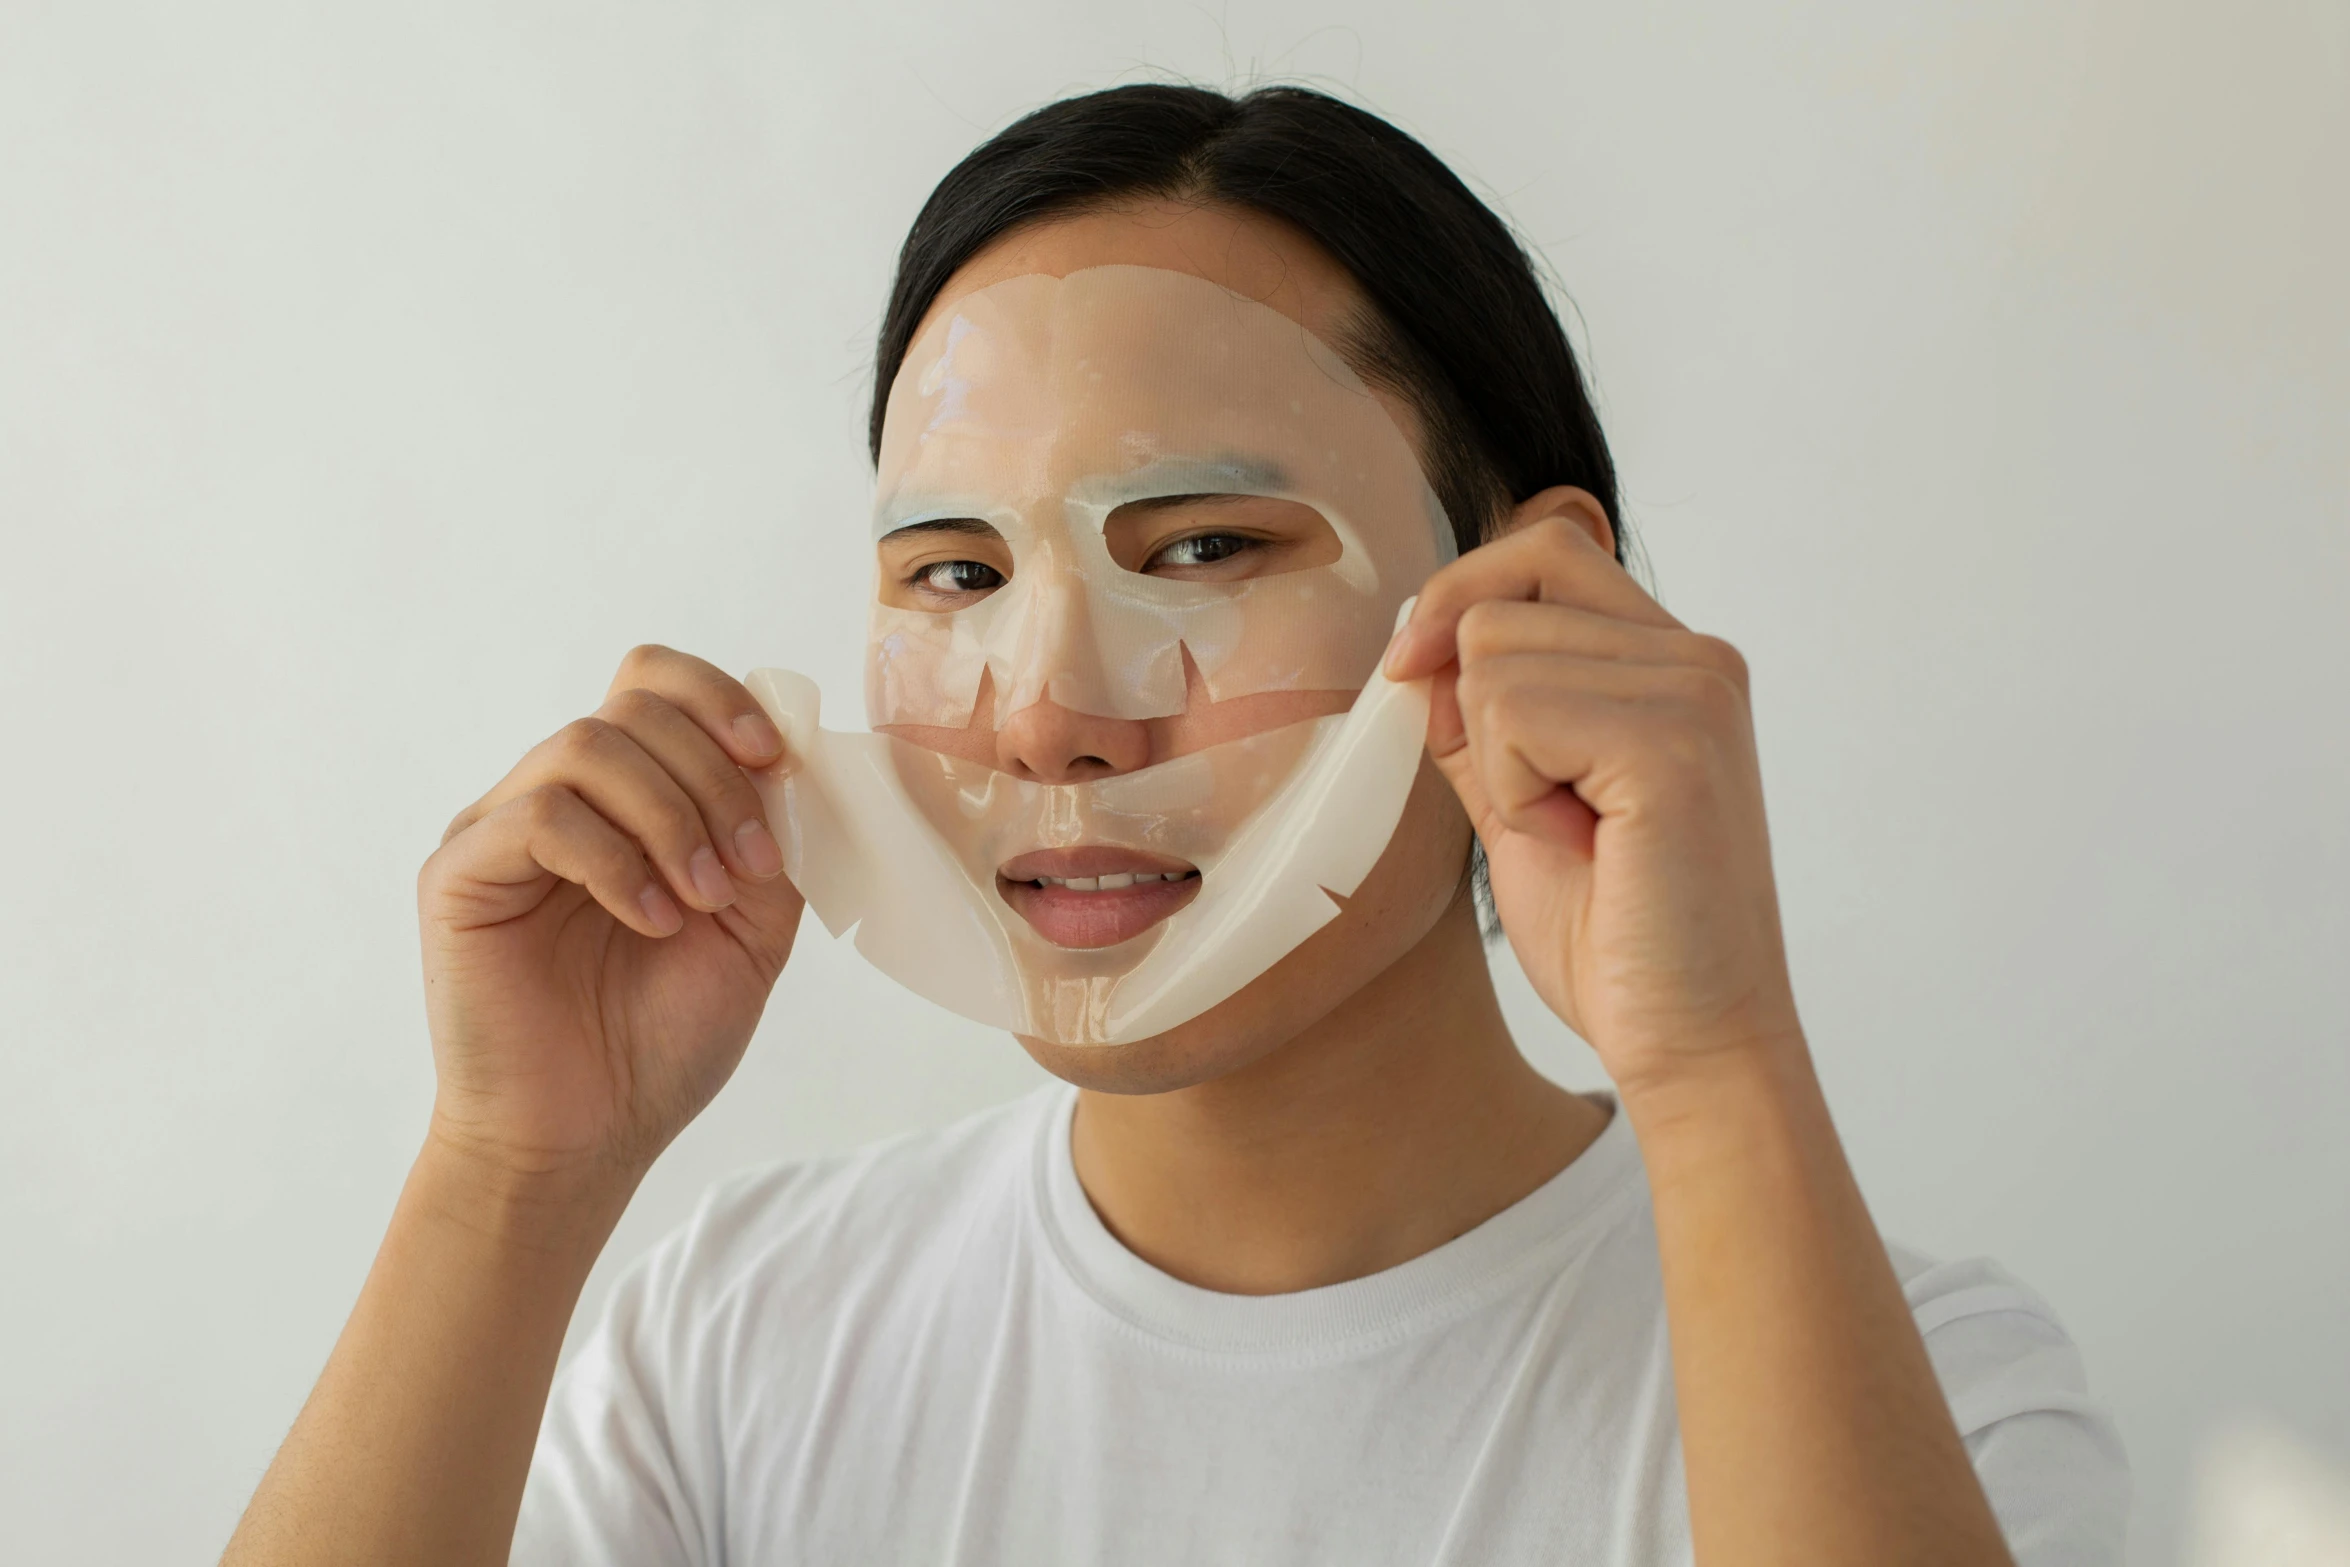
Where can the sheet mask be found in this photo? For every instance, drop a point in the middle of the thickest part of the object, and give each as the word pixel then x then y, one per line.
pixel 1039 406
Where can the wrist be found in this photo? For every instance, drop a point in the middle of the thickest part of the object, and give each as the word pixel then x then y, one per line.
pixel 1750 1121
pixel 1696 1088
pixel 562 1207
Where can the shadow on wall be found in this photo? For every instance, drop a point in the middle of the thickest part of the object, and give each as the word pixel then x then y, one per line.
pixel 2262 1499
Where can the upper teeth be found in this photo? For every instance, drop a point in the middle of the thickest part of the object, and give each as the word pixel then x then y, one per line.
pixel 1110 882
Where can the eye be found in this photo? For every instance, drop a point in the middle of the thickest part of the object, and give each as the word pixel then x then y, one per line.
pixel 958 577
pixel 1201 549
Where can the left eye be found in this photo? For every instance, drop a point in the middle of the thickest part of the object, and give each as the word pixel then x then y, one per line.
pixel 959 576
pixel 1205 549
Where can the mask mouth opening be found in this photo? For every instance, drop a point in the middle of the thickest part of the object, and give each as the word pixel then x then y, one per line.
pixel 1089 896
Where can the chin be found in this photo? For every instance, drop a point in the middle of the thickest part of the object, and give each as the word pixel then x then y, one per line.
pixel 1220 1041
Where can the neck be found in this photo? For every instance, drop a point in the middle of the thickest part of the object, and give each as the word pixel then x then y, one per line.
pixel 1403 1118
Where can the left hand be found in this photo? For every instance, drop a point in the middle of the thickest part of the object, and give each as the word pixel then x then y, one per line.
pixel 1605 754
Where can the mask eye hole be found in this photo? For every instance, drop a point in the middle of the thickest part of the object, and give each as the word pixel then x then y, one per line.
pixel 1218 538
pixel 942 565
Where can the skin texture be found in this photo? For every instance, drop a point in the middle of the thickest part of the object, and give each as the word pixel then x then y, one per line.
pixel 601 932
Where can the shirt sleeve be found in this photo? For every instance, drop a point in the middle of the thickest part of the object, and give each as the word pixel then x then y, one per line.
pixel 2048 1455
pixel 618 1476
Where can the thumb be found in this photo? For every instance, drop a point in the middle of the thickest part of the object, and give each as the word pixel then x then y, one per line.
pixel 1448 748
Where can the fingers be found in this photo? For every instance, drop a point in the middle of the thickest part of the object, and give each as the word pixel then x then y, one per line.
pixel 733 816
pixel 1554 713
pixel 1500 629
pixel 662 763
pixel 708 695
pixel 501 866
pixel 1622 736
pixel 607 767
pixel 1546 562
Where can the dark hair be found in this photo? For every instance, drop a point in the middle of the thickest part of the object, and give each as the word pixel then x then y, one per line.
pixel 1460 328
pixel 1459 325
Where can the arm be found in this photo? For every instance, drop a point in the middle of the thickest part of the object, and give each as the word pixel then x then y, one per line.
pixel 600 935
pixel 1605 755
pixel 1811 1423
pixel 414 1445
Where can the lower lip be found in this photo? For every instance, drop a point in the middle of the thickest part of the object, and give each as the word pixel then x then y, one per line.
pixel 1068 918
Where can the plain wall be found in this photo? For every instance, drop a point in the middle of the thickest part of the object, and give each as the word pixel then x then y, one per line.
pixel 372 377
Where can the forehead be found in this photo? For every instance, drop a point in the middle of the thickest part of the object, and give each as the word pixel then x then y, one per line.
pixel 1122 379
pixel 1252 258
pixel 1250 254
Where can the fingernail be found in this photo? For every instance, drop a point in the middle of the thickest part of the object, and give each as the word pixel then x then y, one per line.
pixel 660 910
pixel 756 845
pixel 1387 664
pixel 757 736
pixel 710 879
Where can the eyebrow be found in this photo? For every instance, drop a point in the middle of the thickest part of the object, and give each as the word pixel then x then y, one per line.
pixel 1152 503
pixel 1231 474
pixel 970 525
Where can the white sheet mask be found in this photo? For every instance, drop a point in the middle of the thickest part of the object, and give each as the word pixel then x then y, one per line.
pixel 1038 406
pixel 1041 404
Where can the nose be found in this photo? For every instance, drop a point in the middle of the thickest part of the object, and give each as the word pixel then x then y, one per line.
pixel 1045 742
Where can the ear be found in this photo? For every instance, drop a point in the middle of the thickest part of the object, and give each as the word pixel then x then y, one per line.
pixel 1578 509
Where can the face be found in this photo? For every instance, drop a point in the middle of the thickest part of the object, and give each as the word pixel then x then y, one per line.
pixel 1057 604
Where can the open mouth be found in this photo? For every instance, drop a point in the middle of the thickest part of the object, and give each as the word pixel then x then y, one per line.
pixel 1095 895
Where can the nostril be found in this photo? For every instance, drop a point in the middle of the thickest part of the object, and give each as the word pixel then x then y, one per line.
pixel 1042 741
pixel 1077 769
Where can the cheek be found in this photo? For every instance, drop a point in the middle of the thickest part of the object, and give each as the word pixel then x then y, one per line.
pixel 1422 872
pixel 1205 722
pixel 1424 869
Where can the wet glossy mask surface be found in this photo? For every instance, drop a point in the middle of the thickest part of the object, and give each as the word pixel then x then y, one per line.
pixel 1037 407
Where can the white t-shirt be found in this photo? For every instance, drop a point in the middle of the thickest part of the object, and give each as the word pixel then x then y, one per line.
pixel 932 1351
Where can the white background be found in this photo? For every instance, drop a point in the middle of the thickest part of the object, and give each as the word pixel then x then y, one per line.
pixel 371 378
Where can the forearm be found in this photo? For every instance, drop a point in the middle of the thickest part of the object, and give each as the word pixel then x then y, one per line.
pixel 1811 1423
pixel 415 1443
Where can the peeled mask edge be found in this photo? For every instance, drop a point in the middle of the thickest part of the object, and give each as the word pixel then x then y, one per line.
pixel 865 856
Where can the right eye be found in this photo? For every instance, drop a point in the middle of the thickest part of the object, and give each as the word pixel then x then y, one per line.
pixel 958 578
pixel 941 564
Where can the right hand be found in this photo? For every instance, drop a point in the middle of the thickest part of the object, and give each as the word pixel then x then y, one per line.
pixel 601 929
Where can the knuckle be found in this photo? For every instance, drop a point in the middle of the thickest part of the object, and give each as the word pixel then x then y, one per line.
pixel 1720 657
pixel 1713 697
pixel 1472 635
pixel 733 792
pixel 1478 630
pixel 678 826
pixel 1474 689
pixel 583 738
pixel 713 806
pixel 545 807
pixel 617 860
pixel 644 656
pixel 631 704
pixel 1492 706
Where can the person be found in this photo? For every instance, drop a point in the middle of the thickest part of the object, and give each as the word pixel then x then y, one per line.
pixel 1326 1273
